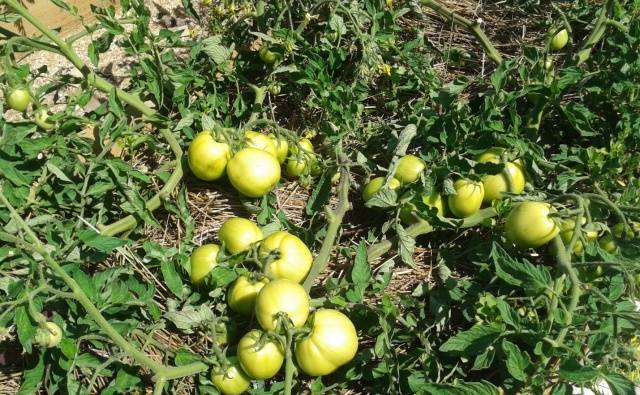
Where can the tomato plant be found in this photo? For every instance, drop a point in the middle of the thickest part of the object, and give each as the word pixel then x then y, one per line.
pixel 529 224
pixel 467 199
pixel 253 172
pixel 281 297
pixel 18 99
pixel 207 157
pixel 232 381
pixel 203 259
pixel 242 294
pixel 290 257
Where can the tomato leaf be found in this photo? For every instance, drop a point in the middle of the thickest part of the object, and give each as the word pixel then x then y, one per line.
pixel 517 361
pixel 473 340
pixel 100 242
pixel 32 378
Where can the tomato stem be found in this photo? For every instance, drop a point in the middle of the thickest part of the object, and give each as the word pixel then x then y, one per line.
pixel 473 27
pixel 423 227
pixel 289 368
pixel 334 220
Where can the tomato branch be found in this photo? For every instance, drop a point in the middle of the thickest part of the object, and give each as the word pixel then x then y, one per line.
pixel 160 370
pixel 334 219
pixel 423 227
pixel 473 27
pixel 596 34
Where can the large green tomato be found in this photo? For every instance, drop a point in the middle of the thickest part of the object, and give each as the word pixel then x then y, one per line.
pixel 253 172
pixel 559 40
pixel 496 184
pixel 260 361
pixel 299 163
pixel 242 294
pixel 282 147
pixel 409 169
pixel 238 234
pixel 468 198
pixel 282 296
pixel 260 141
pixel 48 335
pixel 232 382
pixel 292 258
pixel 207 157
pixel 333 341
pixel 19 99
pixel 40 118
pixel 374 186
pixel 529 224
pixel 203 259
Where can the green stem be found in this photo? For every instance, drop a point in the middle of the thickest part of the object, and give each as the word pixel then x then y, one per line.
pixel 168 372
pixel 423 227
pixel 473 27
pixel 596 34
pixel 564 263
pixel 334 219
pixel 289 368
pixel 159 386
pixel 260 94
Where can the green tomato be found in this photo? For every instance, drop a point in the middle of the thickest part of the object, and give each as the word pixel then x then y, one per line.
pixel 203 260
pixel 253 172
pixel 409 169
pixel 207 157
pixel 566 233
pixel 238 234
pixel 232 382
pixel 559 40
pixel 292 257
pixel 40 118
pixel 19 99
pixel 496 184
pixel 282 296
pixel 374 186
pixel 282 147
pixel 242 294
pixel 333 342
pixel 529 224
pixel 48 335
pixel 300 163
pixel 468 198
pixel 260 141
pixel 608 243
pixel 268 56
pixel 260 361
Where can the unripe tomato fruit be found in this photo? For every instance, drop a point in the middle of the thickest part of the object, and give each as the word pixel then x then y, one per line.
pixel 559 40
pixel 620 232
pixel 260 362
pixel 496 184
pixel 242 294
pixel 333 341
pixel 299 163
pixel 268 56
pixel 409 169
pixel 203 259
pixel 19 99
pixel 292 257
pixel 529 224
pixel 261 142
pixel 253 172
pixel 374 186
pixel 238 234
pixel 282 147
pixel 48 336
pixel 608 244
pixel 40 118
pixel 207 157
pixel 232 382
pixel 468 198
pixel 283 296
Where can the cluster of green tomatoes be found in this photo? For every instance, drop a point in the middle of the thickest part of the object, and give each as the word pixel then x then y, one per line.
pixel 254 168
pixel 324 339
pixel 19 99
